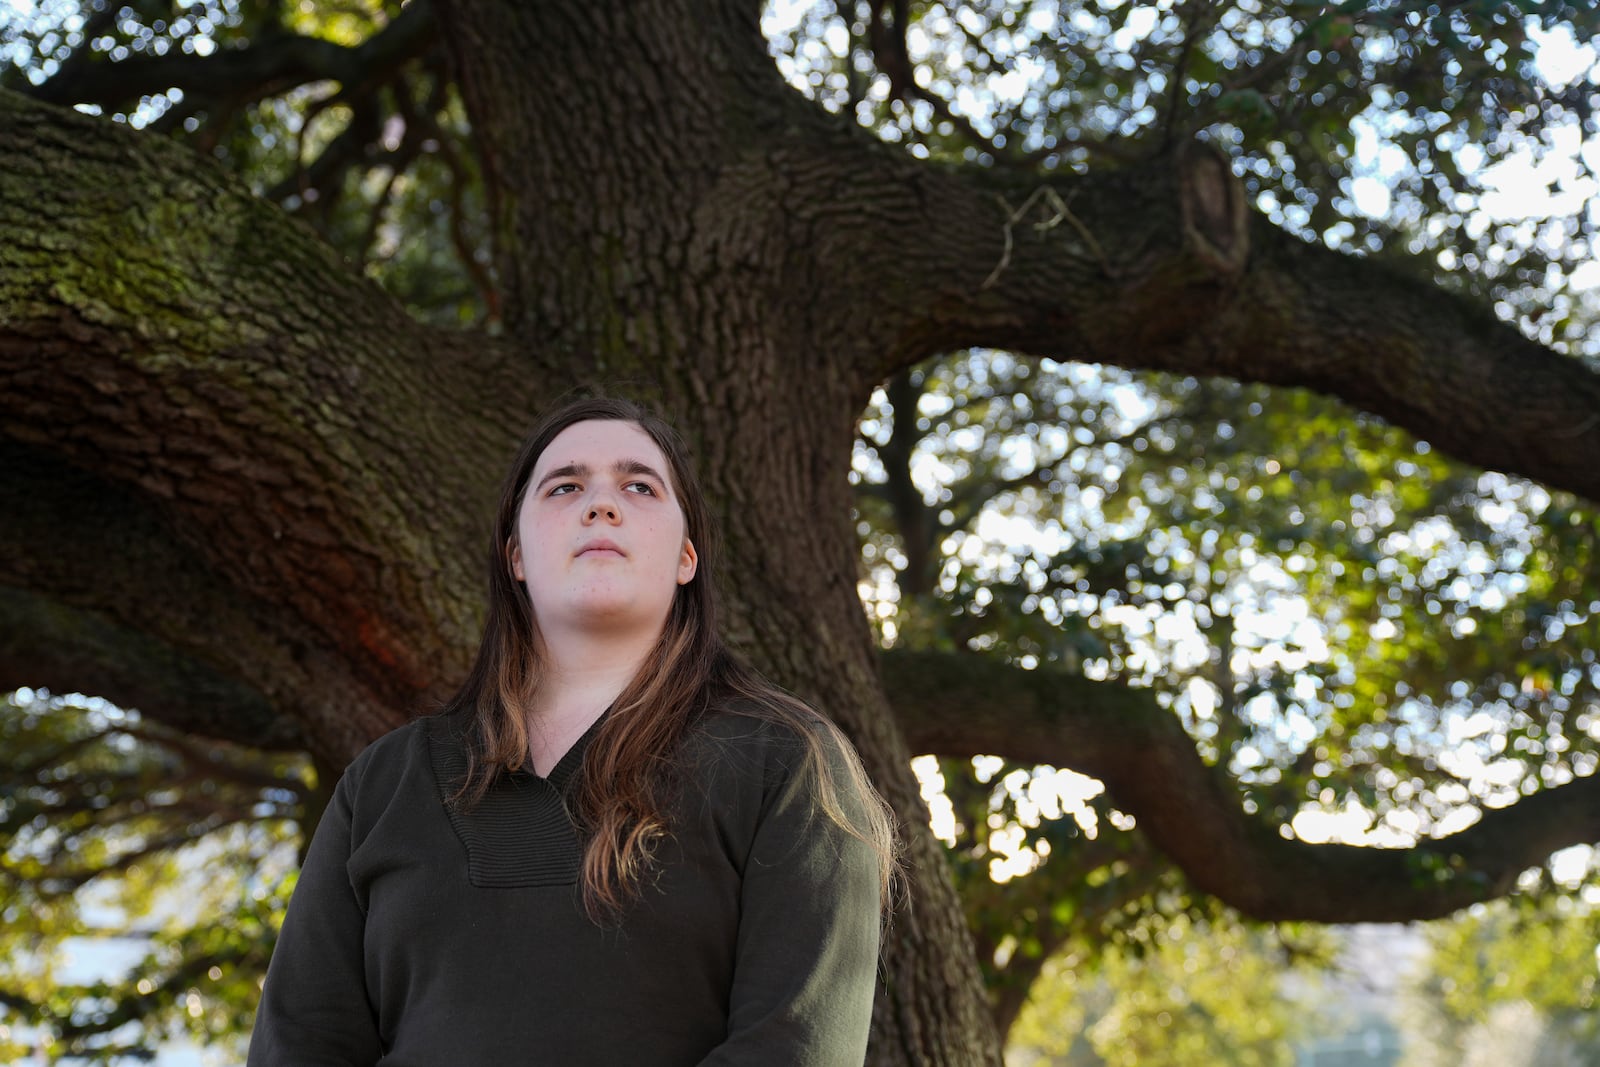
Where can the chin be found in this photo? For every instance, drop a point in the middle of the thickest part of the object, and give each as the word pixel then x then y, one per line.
pixel 608 607
pixel 611 610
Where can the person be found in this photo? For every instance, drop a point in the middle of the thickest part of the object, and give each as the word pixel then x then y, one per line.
pixel 617 843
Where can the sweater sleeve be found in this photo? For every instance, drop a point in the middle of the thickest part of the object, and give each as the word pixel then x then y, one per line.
pixel 807 958
pixel 314 1010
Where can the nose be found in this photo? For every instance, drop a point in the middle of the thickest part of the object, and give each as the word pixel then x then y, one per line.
pixel 602 508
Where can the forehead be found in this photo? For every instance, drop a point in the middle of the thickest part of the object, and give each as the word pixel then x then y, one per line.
pixel 599 443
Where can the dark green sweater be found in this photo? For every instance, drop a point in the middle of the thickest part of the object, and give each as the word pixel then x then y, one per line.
pixel 421 937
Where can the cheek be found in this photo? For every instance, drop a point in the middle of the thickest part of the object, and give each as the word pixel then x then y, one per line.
pixel 532 564
pixel 527 535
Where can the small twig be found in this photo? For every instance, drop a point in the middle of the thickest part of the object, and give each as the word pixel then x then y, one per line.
pixel 1062 214
pixel 1579 430
pixel 1005 256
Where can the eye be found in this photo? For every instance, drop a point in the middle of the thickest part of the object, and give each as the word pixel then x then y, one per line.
pixel 563 489
pixel 644 488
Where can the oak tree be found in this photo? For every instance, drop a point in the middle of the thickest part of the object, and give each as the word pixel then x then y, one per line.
pixel 253 416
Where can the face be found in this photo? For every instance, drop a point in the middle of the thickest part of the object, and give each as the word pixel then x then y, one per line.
pixel 600 540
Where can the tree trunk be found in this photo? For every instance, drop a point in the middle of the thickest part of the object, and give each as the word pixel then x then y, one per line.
pixel 642 236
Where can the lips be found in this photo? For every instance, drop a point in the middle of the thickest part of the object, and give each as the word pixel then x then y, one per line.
pixel 601 547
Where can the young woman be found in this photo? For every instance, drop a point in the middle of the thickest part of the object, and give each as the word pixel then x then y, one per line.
pixel 617 845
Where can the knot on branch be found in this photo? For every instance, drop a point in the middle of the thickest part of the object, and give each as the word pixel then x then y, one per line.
pixel 1215 223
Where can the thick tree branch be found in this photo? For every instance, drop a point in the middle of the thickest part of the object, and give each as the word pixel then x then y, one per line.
pixel 962 705
pixel 226 447
pixel 1163 267
pixel 1426 360
pixel 103 591
pixel 46 643
pixel 272 64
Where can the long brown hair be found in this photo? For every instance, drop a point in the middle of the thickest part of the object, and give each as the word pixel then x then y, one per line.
pixel 623 791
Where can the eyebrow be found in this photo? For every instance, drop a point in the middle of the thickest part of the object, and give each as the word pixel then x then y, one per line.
pixel 622 467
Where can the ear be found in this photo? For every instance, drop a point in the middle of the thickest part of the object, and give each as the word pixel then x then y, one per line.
pixel 514 550
pixel 688 562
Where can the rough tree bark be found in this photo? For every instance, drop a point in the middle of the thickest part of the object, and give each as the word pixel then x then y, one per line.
pixel 242 490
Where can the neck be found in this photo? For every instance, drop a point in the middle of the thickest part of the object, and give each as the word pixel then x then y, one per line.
pixel 582 677
pixel 584 673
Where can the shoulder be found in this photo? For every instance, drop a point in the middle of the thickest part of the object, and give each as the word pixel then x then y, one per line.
pixel 750 726
pixel 384 766
pixel 389 747
pixel 761 743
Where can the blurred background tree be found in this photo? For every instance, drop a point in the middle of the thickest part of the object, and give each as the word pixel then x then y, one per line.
pixel 1511 982
pixel 177 850
pixel 1196 994
pixel 1376 641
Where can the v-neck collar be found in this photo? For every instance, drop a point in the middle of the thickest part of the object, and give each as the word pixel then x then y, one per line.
pixel 521 832
pixel 572 759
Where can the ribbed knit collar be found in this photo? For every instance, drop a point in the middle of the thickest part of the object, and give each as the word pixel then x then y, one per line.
pixel 522 832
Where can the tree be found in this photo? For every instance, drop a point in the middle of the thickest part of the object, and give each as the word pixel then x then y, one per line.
pixel 184 837
pixel 1197 994
pixel 245 484
pixel 1510 982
